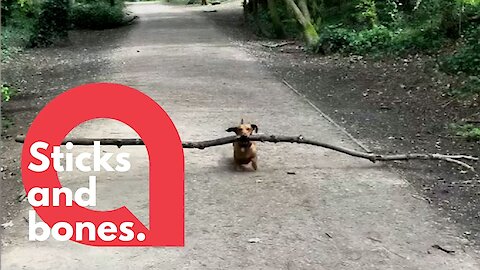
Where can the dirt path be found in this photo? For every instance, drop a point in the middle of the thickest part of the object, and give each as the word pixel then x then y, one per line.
pixel 336 212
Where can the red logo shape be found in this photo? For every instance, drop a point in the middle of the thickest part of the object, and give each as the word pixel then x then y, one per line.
pixel 164 147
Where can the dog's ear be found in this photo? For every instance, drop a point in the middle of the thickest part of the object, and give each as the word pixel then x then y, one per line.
pixel 254 127
pixel 232 129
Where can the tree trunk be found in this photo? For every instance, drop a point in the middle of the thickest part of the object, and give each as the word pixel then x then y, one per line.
pixel 311 35
pixel 277 23
pixel 302 5
pixel 254 8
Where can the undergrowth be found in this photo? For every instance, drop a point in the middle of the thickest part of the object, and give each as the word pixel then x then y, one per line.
pixel 97 15
pixel 470 132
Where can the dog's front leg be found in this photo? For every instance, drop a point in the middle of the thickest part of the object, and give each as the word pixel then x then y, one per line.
pixel 238 167
pixel 254 163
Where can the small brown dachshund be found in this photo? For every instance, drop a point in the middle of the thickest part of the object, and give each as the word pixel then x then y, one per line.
pixel 244 151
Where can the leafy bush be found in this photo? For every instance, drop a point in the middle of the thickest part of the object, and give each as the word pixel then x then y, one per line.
pixel 52 23
pixel 346 40
pixel 393 26
pixel 14 39
pixel 420 38
pixel 367 12
pixel 18 8
pixel 388 12
pixel 30 8
pixel 466 61
pixel 372 40
pixel 470 87
pixel 17 26
pixel 6 93
pixel 468 131
pixel 97 15
pixel 467 58
pixel 379 39
pixel 335 38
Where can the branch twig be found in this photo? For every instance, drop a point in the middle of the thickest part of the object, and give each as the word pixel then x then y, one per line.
pixel 278 45
pixel 277 139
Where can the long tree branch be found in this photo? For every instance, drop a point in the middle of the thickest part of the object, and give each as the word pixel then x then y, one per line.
pixel 277 139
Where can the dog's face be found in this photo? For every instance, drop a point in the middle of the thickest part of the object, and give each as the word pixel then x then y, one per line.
pixel 244 129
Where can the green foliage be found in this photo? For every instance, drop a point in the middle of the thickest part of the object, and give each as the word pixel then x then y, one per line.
pixel 7 93
pixel 33 23
pixel 470 87
pixel 467 58
pixel 466 61
pixel 420 38
pixel 468 131
pixel 378 39
pixel 17 27
pixel 338 13
pixel 368 12
pixel 388 12
pixel 261 22
pixel 385 26
pixel 52 24
pixel 97 15
pixel 334 39
pixel 347 40
pixel 7 7
pixel 14 39
pixel 29 7
pixel 392 27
